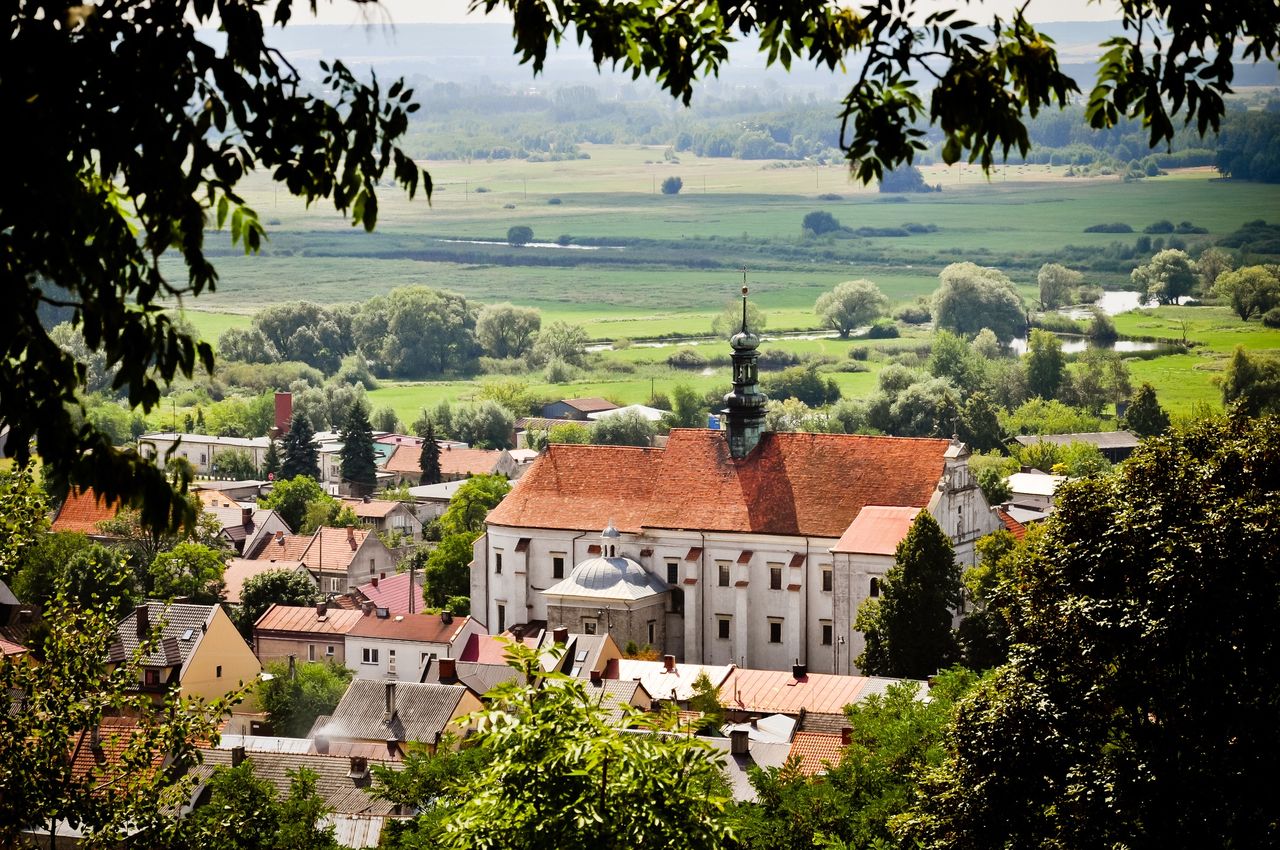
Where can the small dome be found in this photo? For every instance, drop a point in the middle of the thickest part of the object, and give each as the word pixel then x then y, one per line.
pixel 744 340
pixel 608 578
pixel 610 533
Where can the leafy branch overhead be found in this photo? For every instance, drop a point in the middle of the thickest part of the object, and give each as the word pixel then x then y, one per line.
pixel 982 82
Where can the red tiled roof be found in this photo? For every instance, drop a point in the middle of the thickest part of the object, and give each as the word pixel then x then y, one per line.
pixel 393 594
pixel 816 751
pixel 11 648
pixel 104 761
pixel 423 628
pixel 778 691
pixel 454 462
pixel 1015 528
pixel 487 649
pixel 877 530
pixel 792 484
pixel 240 570
pixel 593 404
pixel 327 550
pixel 372 509
pixel 303 618
pixel 82 511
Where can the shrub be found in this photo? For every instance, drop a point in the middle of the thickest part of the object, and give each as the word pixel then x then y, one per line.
pixel 519 235
pixel 503 365
pixel 881 232
pixel 820 222
pixel 830 196
pixel 1113 227
pixel 914 314
pixel 1058 323
pixel 859 352
pixel 1187 227
pixel 480 190
pixel 1088 294
pixel 559 372
pixel 883 329
pixel 686 358
pixel 1162 226
pixel 672 186
pixel 777 358
pixel 555 202
pixel 508 206
pixel 1271 318
pixel 564 239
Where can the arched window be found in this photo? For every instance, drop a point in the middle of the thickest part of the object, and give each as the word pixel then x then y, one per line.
pixel 875 587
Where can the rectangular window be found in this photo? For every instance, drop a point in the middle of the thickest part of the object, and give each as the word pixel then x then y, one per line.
pixel 673 572
pixel 722 628
pixel 335 585
pixel 724 573
pixel 218 672
pixel 328 651
pixel 497 563
pixel 826 579
pixel 557 566
pixel 502 618
pixel 826 633
pixel 588 627
pixel 311 652
pixel 369 655
pixel 775 631
pixel 371 565
pixel 151 678
pixel 874 588
pixel 653 633
pixel 775 578
pixel 391 661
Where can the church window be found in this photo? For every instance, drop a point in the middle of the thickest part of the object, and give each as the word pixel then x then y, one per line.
pixel 722 626
pixel 497 563
pixel 724 573
pixel 775 578
pixel 557 566
pixel 875 588
pixel 502 618
pixel 588 627
pixel 673 572
pixel 652 633
pixel 775 631
pixel 826 579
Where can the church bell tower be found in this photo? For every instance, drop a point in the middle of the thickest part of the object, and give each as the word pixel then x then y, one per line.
pixel 745 406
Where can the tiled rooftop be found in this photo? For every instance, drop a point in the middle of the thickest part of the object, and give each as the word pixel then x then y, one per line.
pixel 82 511
pixel 780 691
pixel 304 619
pixel 877 530
pixel 422 628
pixel 453 461
pixel 341 792
pixel 422 711
pixel 817 751
pixel 181 628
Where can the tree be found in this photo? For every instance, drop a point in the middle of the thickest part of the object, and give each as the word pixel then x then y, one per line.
pixel 189 570
pixel 1252 382
pixel 994 486
pixel 1057 285
pixel 429 457
pixel 271 461
pixel 359 463
pixel 706 700
pixel 1144 416
pixel 24 516
pixel 504 330
pixel 88 574
pixel 473 501
pixel 519 235
pixel 246 813
pixel 820 222
pixel 1210 265
pixel 979 425
pixel 446 569
pixel 1168 277
pixel 687 408
pixel 486 425
pixel 729 321
pixel 908 628
pixel 272 587
pixel 984 632
pixel 672 186
pixel 851 305
pixel 804 383
pixel 623 429
pixel 1142 613
pixel 290 497
pixel 557 772
pixel 905 179
pixel 970 298
pixel 294 698
pixel 1045 364
pixel 235 464
pixel 1039 416
pixel 301 457
pixel 1251 289
pixel 952 358
pixel 570 432
pixel 417 332
pixel 559 341
pixel 385 420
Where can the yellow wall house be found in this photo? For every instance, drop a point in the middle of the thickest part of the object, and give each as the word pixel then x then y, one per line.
pixel 198 651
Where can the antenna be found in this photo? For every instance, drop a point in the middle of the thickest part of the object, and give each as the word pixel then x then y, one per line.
pixel 744 299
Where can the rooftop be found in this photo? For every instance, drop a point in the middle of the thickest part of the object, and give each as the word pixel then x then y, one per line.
pixel 209 440
pixel 240 570
pixel 181 626
pixel 82 511
pixel 327 550
pixel 393 593
pixel 1101 439
pixel 653 414
pixel 301 618
pixel 676 683
pixel 1011 525
pixel 341 792
pixel 1035 483
pixel 791 484
pixel 779 691
pixel 589 405
pixel 453 461
pixel 420 628
pixel 441 492
pixel 608 579
pixel 422 711
pixel 877 530
pixel 372 509
pixel 816 751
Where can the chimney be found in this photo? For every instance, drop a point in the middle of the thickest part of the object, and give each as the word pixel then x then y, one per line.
pixel 280 537
pixel 448 670
pixel 393 748
pixel 366 498
pixel 246 517
pixel 739 742
pixel 375 581
pixel 391 699
pixel 597 678
pixel 366 607
pixel 351 534
pixel 95 737
pixel 669 663
pixel 284 412
pixel 144 620
pixel 237 756
pixel 446 617
pixel 322 608
pixel 846 736
pixel 560 634
pixel 798 670
pixel 322 745
pixel 359 768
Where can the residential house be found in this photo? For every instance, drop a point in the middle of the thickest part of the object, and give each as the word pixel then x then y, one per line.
pixel 394 593
pixel 817 752
pixel 652 414
pixel 82 511
pixel 240 570
pixel 307 633
pixel 817 699
pixel 16 622
pixel 382 712
pixel 1033 490
pixel 1115 446
pixel 245 527
pixel 576 409
pixel 477 677
pixel 397 646
pixel 343 784
pixel 387 517
pixel 584 656
pixel 198 651
pixel 232 492
pixel 432 500
pixel 202 450
pixel 455 463
pixel 340 558
pixel 668 679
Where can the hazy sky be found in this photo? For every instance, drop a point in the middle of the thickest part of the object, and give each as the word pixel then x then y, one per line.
pixel 455 11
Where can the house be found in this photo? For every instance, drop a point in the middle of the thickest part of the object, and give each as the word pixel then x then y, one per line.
pixel 576 409
pixel 432 500
pixel 387 517
pixel 307 633
pixel 16 622
pixel 383 645
pixel 240 570
pixel 816 752
pixel 477 677
pixel 455 463
pixel 583 656
pixel 198 652
pixel 229 492
pixel 244 526
pixel 382 712
pixel 339 558
pixel 667 679
pixel 652 414
pixel 1115 446
pixel 717 548
pixel 394 593
pixel 1033 490
pixel 343 784
pixel 201 450
pixel 818 698
pixel 82 511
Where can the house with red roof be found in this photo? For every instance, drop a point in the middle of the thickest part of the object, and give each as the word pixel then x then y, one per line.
pixel 382 645
pixel 339 558
pixel 723 546
pixel 82 511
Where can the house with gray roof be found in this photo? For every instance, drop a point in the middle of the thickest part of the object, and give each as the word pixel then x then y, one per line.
pixel 385 711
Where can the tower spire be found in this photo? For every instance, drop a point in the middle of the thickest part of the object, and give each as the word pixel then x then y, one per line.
pixel 745 405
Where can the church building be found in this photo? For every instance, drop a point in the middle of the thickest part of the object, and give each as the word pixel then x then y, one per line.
pixel 739 546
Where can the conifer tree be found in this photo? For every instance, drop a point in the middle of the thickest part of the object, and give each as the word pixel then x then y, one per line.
pixel 1145 417
pixel 359 463
pixel 300 454
pixel 908 628
pixel 271 461
pixel 429 459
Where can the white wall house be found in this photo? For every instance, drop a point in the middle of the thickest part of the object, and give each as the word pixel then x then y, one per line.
pixel 398 646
